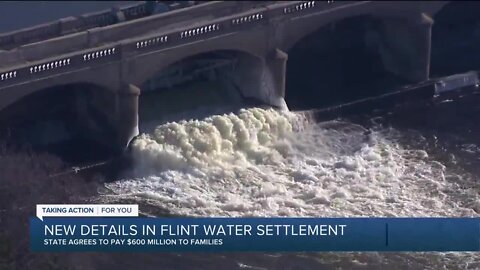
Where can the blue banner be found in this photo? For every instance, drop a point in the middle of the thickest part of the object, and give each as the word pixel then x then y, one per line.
pixel 254 234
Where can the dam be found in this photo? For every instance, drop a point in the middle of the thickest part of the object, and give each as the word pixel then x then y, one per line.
pixel 92 71
pixel 217 104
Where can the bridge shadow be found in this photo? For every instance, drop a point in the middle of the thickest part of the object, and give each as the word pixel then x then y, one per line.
pixel 456 39
pixel 339 63
pixel 50 121
pixel 199 86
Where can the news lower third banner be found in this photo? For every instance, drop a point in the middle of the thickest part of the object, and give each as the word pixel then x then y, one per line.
pixel 118 228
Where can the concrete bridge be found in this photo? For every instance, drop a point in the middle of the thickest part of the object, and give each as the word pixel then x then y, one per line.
pixel 115 61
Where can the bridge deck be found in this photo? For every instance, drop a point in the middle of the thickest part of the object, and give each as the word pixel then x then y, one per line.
pixel 71 25
pixel 173 23
pixel 100 36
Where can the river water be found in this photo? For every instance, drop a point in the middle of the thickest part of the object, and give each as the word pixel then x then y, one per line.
pixel 416 160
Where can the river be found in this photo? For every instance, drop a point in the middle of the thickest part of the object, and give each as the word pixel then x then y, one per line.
pixel 415 160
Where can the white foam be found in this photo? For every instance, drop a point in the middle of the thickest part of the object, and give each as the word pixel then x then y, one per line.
pixel 262 162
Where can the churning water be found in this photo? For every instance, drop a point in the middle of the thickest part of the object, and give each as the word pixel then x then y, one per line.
pixel 264 162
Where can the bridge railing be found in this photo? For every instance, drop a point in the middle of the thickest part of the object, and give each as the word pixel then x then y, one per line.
pixel 223 25
pixel 160 21
pixel 228 24
pixel 62 64
pixel 73 61
pixel 81 23
pixel 84 39
pixel 105 54
pixel 70 25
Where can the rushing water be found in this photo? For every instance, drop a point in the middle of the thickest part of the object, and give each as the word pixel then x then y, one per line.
pixel 415 161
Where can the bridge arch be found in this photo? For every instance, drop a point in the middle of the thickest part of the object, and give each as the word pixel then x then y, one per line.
pixel 241 55
pixel 54 117
pixel 10 96
pixel 145 67
pixel 456 38
pixel 213 78
pixel 338 62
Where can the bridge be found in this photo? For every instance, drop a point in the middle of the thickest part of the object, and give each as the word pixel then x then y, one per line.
pixel 115 62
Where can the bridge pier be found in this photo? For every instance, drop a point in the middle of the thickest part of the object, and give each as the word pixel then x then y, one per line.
pixel 108 117
pixel 277 66
pixel 259 78
pixel 405 46
pixel 126 119
pixel 269 79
